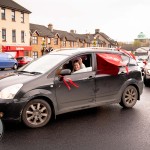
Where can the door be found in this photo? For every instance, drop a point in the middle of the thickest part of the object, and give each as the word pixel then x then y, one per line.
pixel 108 86
pixel 82 87
pixel 110 77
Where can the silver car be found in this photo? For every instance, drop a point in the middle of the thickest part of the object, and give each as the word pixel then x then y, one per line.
pixel 147 73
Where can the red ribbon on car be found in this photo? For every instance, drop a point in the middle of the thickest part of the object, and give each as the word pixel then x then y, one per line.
pixel 67 81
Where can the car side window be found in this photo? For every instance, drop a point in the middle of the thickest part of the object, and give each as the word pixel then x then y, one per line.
pixel 132 62
pixel 125 59
pixel 78 64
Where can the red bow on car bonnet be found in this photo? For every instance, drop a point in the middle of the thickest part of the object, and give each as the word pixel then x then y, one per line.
pixel 68 80
pixel 109 63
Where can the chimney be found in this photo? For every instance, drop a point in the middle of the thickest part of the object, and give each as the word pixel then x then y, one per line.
pixel 72 31
pixel 97 31
pixel 50 26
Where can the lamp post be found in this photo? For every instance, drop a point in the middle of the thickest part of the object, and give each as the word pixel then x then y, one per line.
pixel 43 47
pixel 94 42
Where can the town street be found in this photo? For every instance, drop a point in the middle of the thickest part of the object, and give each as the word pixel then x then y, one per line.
pixel 104 128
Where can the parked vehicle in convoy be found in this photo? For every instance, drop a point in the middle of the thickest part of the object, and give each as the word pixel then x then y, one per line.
pixel 7 61
pixel 147 73
pixel 49 86
pixel 23 60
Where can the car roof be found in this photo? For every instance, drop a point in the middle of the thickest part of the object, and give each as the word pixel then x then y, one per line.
pixel 71 51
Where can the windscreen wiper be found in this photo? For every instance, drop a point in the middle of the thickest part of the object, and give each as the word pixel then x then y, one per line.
pixel 34 72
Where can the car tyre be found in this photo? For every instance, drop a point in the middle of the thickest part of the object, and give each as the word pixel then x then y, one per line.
pixel 129 97
pixel 15 66
pixel 146 82
pixel 36 113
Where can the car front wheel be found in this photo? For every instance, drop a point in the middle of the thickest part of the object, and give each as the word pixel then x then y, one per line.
pixel 129 97
pixel 36 113
pixel 146 81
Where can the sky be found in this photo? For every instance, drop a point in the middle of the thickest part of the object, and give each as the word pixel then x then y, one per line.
pixel 121 20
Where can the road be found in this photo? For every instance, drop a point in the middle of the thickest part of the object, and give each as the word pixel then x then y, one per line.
pixel 104 128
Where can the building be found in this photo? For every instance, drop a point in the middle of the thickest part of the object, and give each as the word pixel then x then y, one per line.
pixel 14 29
pixel 21 38
pixel 44 39
pixel 142 40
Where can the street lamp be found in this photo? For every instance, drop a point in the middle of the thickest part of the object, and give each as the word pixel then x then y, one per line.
pixel 94 42
pixel 43 47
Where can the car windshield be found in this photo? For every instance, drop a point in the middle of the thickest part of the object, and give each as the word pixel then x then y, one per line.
pixel 44 63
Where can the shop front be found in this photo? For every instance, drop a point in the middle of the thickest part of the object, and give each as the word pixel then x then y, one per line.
pixel 17 51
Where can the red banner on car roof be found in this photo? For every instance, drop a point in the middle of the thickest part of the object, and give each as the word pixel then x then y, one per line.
pixel 109 63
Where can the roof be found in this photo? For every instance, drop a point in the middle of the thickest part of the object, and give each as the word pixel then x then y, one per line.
pixel 41 30
pixel 108 38
pixel 65 34
pixel 70 51
pixel 82 37
pixel 10 4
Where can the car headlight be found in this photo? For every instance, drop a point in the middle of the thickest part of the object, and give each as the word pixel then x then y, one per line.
pixel 10 91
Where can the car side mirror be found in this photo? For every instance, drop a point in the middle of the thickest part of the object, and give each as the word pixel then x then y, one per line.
pixel 65 72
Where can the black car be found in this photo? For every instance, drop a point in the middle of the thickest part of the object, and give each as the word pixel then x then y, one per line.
pixel 50 86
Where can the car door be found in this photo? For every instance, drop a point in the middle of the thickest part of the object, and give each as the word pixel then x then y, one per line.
pixel 11 61
pixel 108 85
pixel 81 93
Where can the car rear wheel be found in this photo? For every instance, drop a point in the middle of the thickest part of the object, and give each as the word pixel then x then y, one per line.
pixel 129 97
pixel 15 66
pixel 36 113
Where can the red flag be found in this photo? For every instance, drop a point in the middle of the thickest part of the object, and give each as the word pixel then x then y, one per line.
pixel 109 63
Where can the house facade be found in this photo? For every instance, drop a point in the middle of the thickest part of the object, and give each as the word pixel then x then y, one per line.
pixel 48 38
pixel 14 29
pixel 21 38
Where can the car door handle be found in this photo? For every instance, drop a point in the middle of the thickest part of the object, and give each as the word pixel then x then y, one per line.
pixel 122 72
pixel 90 77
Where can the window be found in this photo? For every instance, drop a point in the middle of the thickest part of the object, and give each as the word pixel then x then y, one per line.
pixel 34 40
pixel 55 41
pixel 22 17
pixel 49 41
pixel 132 62
pixel 84 66
pixel 3 14
pixel 13 15
pixel 64 43
pixel 13 35
pixel 22 36
pixel 3 34
pixel 35 54
pixel 125 59
pixel 26 53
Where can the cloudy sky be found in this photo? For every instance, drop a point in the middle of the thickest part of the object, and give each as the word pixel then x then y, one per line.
pixel 122 20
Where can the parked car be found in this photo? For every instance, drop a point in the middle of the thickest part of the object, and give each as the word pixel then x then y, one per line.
pixel 48 86
pixel 23 60
pixel 147 73
pixel 7 61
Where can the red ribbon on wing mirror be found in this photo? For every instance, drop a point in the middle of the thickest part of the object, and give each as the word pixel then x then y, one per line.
pixel 68 81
